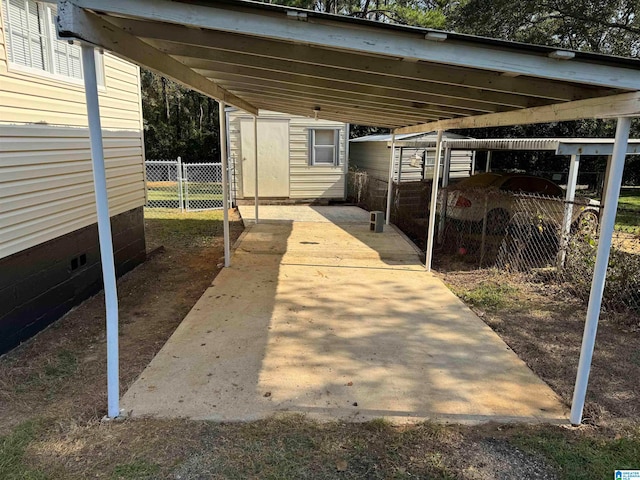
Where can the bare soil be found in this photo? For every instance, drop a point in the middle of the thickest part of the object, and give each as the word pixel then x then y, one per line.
pixel 61 372
pixel 544 324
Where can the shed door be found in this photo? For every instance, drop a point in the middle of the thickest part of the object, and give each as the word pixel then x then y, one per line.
pixel 273 158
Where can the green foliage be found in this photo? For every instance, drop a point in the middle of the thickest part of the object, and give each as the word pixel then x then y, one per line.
pixel 12 451
pixel 605 26
pixel 489 295
pixel 583 458
pixel 178 121
pixel 622 287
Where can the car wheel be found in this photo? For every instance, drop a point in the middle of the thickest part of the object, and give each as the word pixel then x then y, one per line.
pixel 587 223
pixel 497 221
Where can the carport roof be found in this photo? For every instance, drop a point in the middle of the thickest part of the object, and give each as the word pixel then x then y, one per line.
pixel 562 146
pixel 259 56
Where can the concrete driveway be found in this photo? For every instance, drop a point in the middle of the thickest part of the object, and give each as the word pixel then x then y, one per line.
pixel 326 318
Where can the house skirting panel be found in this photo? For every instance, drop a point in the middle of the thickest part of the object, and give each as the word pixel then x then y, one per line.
pixel 40 284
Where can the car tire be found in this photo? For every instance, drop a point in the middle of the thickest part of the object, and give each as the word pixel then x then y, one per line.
pixel 587 223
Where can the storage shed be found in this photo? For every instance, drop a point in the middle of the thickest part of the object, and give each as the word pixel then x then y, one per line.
pixel 371 154
pixel 300 158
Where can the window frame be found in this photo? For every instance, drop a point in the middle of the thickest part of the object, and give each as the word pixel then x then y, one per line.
pixel 313 146
pixel 48 37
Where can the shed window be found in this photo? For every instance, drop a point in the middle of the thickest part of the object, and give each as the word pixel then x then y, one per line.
pixel 324 146
pixel 30 29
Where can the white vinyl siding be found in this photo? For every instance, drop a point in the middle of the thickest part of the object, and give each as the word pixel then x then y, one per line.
pixel 373 157
pixel 46 181
pixel 305 180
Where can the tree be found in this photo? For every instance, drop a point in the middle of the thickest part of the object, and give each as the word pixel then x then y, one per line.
pixel 178 121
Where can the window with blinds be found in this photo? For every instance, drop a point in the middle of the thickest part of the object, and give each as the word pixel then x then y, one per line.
pixel 324 146
pixel 30 33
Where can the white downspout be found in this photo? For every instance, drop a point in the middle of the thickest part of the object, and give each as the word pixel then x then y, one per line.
pixel 255 160
pixel 390 185
pixel 225 182
pixel 104 229
pixel 433 204
pixel 600 271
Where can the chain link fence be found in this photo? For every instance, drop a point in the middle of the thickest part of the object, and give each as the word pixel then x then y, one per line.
pixel 185 186
pixel 546 239
pixel 202 186
pixel 163 184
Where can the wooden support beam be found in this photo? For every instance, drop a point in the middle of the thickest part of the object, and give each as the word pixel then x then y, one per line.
pixel 623 105
pixel 74 22
pixel 428 72
pixel 245 72
pixel 336 34
pixel 197 57
pixel 238 84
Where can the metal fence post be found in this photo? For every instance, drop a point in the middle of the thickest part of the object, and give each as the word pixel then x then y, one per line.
pixel 179 179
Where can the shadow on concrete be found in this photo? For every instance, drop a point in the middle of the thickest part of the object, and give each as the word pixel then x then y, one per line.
pixel 335 322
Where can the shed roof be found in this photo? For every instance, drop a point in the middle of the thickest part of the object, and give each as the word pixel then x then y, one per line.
pixel 259 56
pixel 422 137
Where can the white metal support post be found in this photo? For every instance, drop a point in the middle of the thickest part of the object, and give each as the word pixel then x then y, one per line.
pixel 487 166
pixel 390 185
pixel 446 173
pixel 104 229
pixel 225 182
pixel 255 160
pixel 570 197
pixel 432 204
pixel 180 183
pixel 600 271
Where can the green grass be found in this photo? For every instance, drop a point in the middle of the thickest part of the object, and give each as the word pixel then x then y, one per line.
pixel 167 192
pixel 186 229
pixel 12 453
pixel 579 457
pixel 628 218
pixel 489 296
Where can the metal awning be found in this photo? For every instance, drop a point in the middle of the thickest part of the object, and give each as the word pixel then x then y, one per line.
pixel 561 146
pixel 259 56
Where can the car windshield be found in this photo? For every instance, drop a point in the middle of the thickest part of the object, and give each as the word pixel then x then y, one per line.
pixel 532 185
pixel 479 181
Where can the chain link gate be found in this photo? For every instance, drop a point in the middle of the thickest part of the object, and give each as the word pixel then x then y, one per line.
pixel 163 184
pixel 185 186
pixel 202 186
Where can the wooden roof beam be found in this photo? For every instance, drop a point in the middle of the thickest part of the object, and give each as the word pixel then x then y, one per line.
pixel 623 105
pixel 377 41
pixel 74 22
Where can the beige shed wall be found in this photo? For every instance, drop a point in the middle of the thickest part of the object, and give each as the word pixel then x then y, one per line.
pixel 46 181
pixel 305 181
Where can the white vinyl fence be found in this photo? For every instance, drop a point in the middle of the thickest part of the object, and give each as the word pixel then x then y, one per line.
pixel 184 186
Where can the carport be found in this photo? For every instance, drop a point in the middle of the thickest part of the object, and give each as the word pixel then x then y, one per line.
pixel 255 55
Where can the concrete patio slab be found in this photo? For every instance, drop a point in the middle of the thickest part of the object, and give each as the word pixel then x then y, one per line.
pixel 334 321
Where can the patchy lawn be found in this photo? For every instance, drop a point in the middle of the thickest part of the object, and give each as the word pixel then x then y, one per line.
pixel 628 218
pixel 543 324
pixel 53 393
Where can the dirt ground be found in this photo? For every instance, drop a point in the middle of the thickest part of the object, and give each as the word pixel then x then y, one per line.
pixel 61 372
pixel 544 324
pixel 53 392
